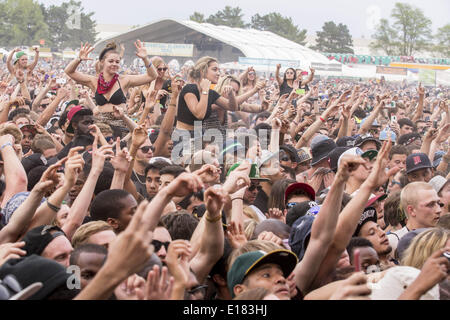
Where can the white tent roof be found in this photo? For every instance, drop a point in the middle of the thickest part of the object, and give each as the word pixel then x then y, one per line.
pixel 259 44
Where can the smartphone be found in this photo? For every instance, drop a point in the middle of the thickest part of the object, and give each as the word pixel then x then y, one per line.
pixel 394 119
pixel 435 124
pixel 393 104
pixel 300 91
pixel 356 261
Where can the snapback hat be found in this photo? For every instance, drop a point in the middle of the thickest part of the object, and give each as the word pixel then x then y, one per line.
pixel 300 186
pixel 247 262
pixel 77 110
pixel 417 161
pixel 438 182
pixel 369 214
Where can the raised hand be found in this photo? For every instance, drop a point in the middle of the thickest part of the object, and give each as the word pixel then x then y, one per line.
pixel 184 184
pixel 50 178
pixel 129 288
pixel 177 260
pixel 158 286
pixel 74 166
pixel 205 84
pixel 11 251
pixel 421 90
pixel 238 178
pixel 347 165
pixel 99 156
pixel 141 51
pixel 215 198
pixel 85 50
pixel 277 214
pixel 139 136
pixel 235 234
pixel 161 94
pixel 117 112
pixel 208 173
pixel 353 288
pixel 121 161
pixel 269 236
pixel 379 176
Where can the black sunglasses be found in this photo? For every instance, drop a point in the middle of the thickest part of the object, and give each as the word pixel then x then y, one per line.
pixel 109 139
pixel 162 69
pixel 158 244
pixel 253 187
pixel 146 149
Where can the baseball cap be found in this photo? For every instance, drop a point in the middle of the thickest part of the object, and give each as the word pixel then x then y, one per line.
pixel 300 186
pixel 32 269
pixel 438 183
pixel 417 161
pixel 360 140
pixel 348 142
pixel 249 261
pixel 408 138
pixel 17 56
pixel 438 156
pixel 335 155
pixel 298 211
pixel 300 234
pixel 370 154
pixel 303 155
pixel 394 283
pixel 373 198
pixel 37 239
pixel 317 139
pixel 156 159
pixel 77 110
pixel 321 150
pixel 369 214
pixel 28 127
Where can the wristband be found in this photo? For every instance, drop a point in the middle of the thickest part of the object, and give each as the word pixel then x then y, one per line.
pixel 5 145
pixel 237 199
pixel 322 119
pixel 53 207
pixel 212 220
pixel 150 65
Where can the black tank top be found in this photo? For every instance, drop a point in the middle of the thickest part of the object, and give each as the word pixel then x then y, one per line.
pixel 116 99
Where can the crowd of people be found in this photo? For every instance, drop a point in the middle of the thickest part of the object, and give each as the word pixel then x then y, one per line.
pixel 197 184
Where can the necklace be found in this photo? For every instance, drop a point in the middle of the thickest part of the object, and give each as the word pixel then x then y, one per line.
pixel 137 177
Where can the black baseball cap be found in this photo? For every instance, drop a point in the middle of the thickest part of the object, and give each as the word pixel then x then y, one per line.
pixel 369 214
pixel 37 239
pixel 322 150
pixel 360 140
pixel 291 151
pixel 417 161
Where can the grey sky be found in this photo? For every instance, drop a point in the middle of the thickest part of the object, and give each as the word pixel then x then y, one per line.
pixel 358 15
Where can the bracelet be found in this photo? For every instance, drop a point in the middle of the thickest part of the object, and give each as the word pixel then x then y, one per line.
pixel 150 65
pixel 237 199
pixel 322 119
pixel 6 145
pixel 218 218
pixel 53 207
pixel 172 105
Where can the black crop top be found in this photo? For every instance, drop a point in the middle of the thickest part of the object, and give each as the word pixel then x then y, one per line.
pixel 184 114
pixel 117 98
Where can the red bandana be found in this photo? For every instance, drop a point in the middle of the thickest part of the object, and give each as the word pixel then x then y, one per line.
pixel 103 86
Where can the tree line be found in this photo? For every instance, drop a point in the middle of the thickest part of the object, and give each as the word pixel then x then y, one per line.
pixel 408 32
pixel 26 22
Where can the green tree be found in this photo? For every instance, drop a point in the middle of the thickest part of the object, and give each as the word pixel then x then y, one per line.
pixel 22 23
pixel 280 25
pixel 231 17
pixel 443 40
pixel 197 17
pixel 69 25
pixel 334 38
pixel 410 31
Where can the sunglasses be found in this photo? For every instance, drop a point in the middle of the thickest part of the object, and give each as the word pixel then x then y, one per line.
pixel 291 204
pixel 253 187
pixel 162 69
pixel 251 73
pixel 44 105
pixel 158 245
pixel 147 149
pixel 193 291
pixel 109 139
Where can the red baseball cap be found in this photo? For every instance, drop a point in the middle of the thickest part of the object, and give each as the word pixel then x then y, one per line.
pixel 300 186
pixel 77 110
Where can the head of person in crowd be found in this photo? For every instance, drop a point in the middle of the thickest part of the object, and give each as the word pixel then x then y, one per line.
pixel 421 204
pixel 153 177
pixel 299 210
pixel 49 242
pixel 109 59
pixel 406 126
pixel 20 116
pixel 288 156
pixel 28 132
pixel 205 68
pixel 394 217
pixel 358 176
pixel 277 227
pixel 270 168
pixel 116 207
pixel 44 145
pixel 297 193
pixel 423 245
pixel 412 140
pixel 418 168
pixel 368 257
pixel 369 229
pixel 51 274
pixel 161 241
pixel 256 294
pixel 251 192
pixel 397 157
pixel 421 126
pixel 378 202
pixel 277 194
pixel 90 259
pixel 304 160
pixel 321 147
pixel 367 142
pixel 261 117
pixel 258 269
pixel 169 173
pixel 289 74
pixel 94 232
pixel 399 111
pixel 80 121
pixel 180 224
pixel 442 187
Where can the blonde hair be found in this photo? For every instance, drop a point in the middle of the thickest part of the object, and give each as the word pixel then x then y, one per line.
pixel 12 129
pixel 198 71
pixel 226 81
pixel 83 233
pixel 110 48
pixel 250 224
pixel 410 194
pixel 423 246
pixel 253 245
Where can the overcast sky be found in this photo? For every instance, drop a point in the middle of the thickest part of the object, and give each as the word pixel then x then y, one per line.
pixel 360 16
